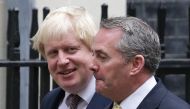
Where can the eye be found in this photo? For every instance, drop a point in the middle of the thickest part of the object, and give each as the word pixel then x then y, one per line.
pixel 101 56
pixel 51 53
pixel 71 50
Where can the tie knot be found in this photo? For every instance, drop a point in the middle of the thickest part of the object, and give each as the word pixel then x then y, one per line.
pixel 73 100
pixel 116 106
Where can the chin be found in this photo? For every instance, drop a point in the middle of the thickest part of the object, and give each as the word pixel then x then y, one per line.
pixel 71 89
pixel 100 85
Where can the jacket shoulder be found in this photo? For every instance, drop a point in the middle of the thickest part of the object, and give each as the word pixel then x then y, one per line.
pixel 52 98
pixel 171 101
pixel 161 98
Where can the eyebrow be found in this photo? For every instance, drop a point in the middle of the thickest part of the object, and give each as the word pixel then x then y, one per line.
pixel 100 52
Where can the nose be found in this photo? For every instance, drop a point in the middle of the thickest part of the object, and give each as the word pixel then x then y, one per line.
pixel 62 59
pixel 94 68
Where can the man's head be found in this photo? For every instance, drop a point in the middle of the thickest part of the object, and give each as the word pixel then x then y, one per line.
pixel 127 52
pixel 62 21
pixel 64 39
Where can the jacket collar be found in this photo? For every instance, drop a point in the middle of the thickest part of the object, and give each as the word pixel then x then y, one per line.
pixel 153 99
pixel 99 102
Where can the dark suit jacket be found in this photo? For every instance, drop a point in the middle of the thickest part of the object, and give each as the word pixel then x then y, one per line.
pixel 54 98
pixel 161 98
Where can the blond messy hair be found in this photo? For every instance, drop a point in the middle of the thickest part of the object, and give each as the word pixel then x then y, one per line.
pixel 61 21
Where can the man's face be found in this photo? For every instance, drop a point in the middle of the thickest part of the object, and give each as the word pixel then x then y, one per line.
pixel 112 70
pixel 68 62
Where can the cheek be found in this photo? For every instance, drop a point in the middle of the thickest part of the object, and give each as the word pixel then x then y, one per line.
pixel 86 76
pixel 84 61
pixel 51 65
pixel 105 73
pixel 108 68
pixel 111 71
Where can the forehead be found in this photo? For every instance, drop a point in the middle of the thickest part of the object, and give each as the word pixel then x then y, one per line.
pixel 106 41
pixel 66 38
pixel 107 37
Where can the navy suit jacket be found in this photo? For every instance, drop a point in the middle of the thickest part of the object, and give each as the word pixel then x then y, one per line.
pixel 55 97
pixel 161 98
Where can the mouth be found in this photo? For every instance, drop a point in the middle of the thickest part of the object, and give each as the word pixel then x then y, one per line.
pixel 67 71
pixel 97 78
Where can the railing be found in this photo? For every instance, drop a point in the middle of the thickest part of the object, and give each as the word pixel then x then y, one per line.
pixel 167 66
pixel 39 82
pixel 39 79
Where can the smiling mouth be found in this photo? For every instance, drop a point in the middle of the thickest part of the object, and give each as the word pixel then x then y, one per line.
pixel 68 71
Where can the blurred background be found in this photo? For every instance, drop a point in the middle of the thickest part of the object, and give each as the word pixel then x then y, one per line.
pixel 24 77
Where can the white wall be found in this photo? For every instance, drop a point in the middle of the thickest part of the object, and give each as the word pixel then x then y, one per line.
pixel 3 29
pixel 115 7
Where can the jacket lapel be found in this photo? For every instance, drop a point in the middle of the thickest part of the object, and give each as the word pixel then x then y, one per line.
pixel 153 99
pixel 99 102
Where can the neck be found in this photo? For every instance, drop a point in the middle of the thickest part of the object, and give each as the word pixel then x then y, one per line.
pixel 135 82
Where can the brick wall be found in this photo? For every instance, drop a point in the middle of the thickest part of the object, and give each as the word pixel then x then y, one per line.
pixel 176 32
pixel 176 29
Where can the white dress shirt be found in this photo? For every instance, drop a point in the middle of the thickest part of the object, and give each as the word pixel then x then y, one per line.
pixel 133 101
pixel 85 94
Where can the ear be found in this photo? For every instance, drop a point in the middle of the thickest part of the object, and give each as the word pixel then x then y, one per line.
pixel 137 64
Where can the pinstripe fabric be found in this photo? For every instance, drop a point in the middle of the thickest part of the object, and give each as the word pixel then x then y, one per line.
pixel 73 100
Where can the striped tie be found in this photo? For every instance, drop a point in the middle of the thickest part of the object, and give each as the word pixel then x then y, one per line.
pixel 116 106
pixel 73 101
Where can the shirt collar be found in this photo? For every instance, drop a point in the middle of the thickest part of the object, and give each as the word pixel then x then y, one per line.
pixel 133 101
pixel 89 91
